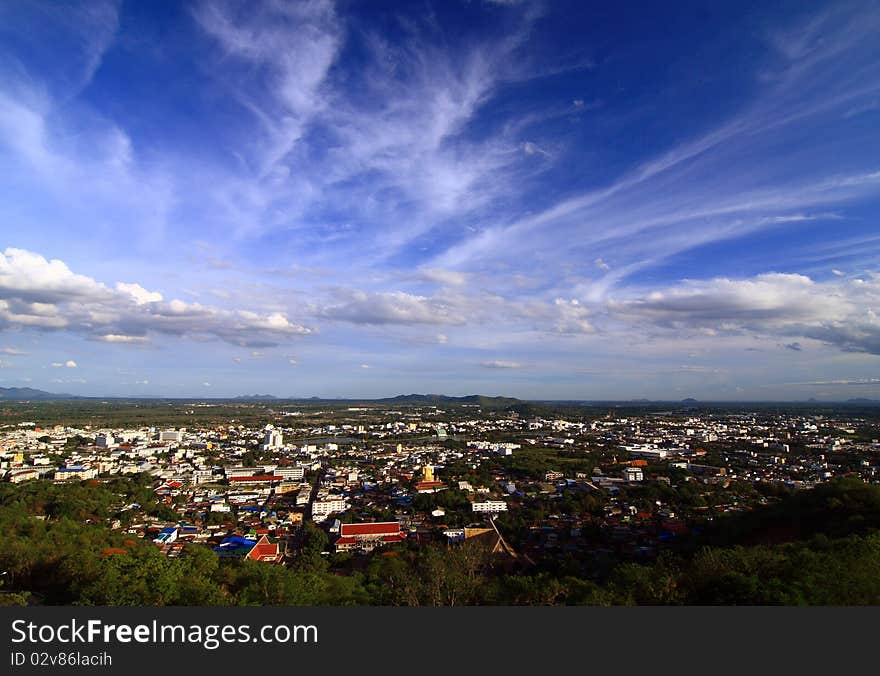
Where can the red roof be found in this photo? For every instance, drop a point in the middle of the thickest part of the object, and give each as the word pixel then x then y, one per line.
pixel 263 550
pixel 380 528
pixel 422 485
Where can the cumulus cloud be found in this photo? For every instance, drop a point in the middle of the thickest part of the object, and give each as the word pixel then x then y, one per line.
pixel 838 312
pixel 29 277
pixel 138 293
pixel 459 308
pixel 721 303
pixel 120 338
pixel 393 307
pixel 571 317
pixel 45 294
pixel 70 364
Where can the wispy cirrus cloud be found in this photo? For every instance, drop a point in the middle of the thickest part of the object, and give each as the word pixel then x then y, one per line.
pixel 708 189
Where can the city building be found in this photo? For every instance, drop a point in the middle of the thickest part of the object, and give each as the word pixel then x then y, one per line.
pixel 489 506
pixel 367 536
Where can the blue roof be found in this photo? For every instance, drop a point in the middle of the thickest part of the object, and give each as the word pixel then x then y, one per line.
pixel 235 544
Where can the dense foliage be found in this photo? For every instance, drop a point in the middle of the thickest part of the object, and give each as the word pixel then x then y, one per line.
pixel 812 547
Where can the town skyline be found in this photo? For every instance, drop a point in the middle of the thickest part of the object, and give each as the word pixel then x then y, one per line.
pixel 551 201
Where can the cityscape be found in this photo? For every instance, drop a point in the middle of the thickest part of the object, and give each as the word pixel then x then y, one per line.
pixel 433 500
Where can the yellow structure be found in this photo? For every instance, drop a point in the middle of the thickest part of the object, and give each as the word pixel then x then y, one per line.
pixel 427 473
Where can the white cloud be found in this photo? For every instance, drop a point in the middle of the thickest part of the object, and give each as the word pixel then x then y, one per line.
pixel 501 364
pixel 394 307
pixel 140 295
pixel 531 148
pixel 838 312
pixel 12 351
pixel 27 276
pixel 70 364
pixel 120 338
pixel 841 381
pixel 444 277
pixel 43 294
pixel 296 43
pixel 571 317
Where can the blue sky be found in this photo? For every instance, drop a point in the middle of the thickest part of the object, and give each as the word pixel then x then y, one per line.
pixel 536 199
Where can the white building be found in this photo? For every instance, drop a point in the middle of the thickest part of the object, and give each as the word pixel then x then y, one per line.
pixel 235 472
pixel 323 508
pixel 489 506
pixel 290 473
pixel 273 439
pixel 17 476
pixel 201 476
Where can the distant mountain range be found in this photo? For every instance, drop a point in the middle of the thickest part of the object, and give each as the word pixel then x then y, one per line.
pixel 429 399
pixel 30 394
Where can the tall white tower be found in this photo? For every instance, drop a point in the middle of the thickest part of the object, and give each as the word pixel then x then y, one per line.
pixel 273 439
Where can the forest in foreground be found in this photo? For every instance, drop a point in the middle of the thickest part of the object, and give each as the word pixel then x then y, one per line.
pixel 815 547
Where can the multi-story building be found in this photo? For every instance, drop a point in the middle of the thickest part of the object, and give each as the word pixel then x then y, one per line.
pixel 321 509
pixel 489 506
pixel 273 439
